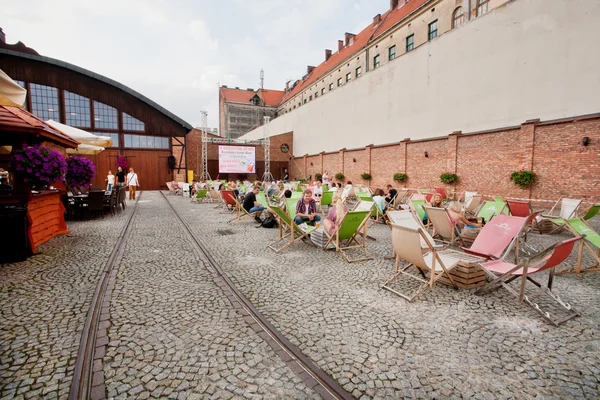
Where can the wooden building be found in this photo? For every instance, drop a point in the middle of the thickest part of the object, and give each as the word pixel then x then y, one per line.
pixel 143 132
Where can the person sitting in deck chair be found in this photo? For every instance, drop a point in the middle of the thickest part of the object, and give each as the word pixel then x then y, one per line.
pixel 306 210
pixel 336 213
pixel 436 201
pixel 379 200
pixel 252 206
pixel 391 194
pixel 454 209
pixel 193 189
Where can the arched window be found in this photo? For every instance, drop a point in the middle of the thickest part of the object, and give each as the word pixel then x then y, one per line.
pixel 458 18
pixel 482 7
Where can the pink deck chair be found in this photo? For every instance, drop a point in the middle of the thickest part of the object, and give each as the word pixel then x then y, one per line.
pixel 502 273
pixel 519 208
pixel 442 192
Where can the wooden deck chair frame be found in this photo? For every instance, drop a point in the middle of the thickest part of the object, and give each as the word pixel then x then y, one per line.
pixel 401 198
pixel 351 240
pixel 240 211
pixel 580 227
pixel 407 243
pixel 443 226
pixel 287 237
pixel 171 188
pixel 473 204
pixel 408 219
pixel 547 259
pixel 559 220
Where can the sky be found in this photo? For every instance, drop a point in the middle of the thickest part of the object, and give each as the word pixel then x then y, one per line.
pixel 177 52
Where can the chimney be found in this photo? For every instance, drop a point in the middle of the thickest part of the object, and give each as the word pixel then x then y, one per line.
pixel 327 54
pixel 393 4
pixel 309 69
pixel 237 88
pixel 340 45
pixel 349 37
pixel 224 86
pixel 376 19
pixel 287 86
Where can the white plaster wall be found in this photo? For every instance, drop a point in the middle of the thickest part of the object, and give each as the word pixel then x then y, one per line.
pixel 527 59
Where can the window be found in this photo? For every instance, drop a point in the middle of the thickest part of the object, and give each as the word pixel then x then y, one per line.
pixel 310 98
pixel 458 17
pixel 330 87
pixel 339 82
pixel 392 52
pixel 105 117
pixel 376 61
pixel 316 94
pixel 77 110
pixel 348 77
pixel 432 30
pixel 44 102
pixel 410 43
pixel 113 136
pixel 322 91
pixel 482 7
pixel 22 84
pixel 304 101
pixel 132 124
pixel 358 71
pixel 145 142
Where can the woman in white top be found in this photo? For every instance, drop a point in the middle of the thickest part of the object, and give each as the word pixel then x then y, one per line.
pixel 133 183
pixel 110 180
pixel 325 178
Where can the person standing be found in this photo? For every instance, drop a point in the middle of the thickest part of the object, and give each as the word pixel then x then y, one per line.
pixel 120 177
pixel 286 176
pixel 110 180
pixel 325 178
pixel 133 183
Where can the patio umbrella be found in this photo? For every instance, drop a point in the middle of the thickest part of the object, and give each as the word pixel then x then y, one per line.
pixel 81 135
pixel 86 149
pixel 11 93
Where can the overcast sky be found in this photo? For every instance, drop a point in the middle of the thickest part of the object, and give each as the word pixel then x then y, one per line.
pixel 177 52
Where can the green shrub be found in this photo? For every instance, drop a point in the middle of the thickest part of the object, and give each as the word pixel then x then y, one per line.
pixel 400 177
pixel 523 178
pixel 339 176
pixel 448 178
pixel 366 176
pixel 319 176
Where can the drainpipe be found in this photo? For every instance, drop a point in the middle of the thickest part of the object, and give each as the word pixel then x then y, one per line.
pixel 469 15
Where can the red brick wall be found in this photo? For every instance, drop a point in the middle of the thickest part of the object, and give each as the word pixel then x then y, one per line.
pixel 484 161
pixel 315 168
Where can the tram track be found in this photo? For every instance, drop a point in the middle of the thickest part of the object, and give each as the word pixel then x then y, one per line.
pixel 286 350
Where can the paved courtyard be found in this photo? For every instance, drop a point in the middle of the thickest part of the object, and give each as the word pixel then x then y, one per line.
pixel 174 333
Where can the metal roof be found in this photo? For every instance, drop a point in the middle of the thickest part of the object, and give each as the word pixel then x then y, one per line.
pixel 101 78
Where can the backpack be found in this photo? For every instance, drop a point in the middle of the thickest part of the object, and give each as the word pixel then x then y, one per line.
pixel 269 222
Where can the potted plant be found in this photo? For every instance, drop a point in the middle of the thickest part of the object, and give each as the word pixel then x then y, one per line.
pixel 400 177
pixel 339 176
pixel 319 177
pixel 523 178
pixel 39 166
pixel 80 171
pixel 366 176
pixel 448 178
pixel 123 163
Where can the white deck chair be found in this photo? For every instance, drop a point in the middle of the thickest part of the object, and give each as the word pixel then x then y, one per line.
pixel 407 246
pixel 568 209
pixel 472 204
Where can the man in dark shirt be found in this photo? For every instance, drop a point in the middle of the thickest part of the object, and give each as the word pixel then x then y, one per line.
pixel 252 206
pixel 120 177
pixel 391 194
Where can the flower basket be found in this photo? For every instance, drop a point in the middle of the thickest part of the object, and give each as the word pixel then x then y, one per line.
pixel 523 178
pixel 123 163
pixel 339 176
pixel 448 178
pixel 319 177
pixel 39 166
pixel 400 177
pixel 80 171
pixel 366 176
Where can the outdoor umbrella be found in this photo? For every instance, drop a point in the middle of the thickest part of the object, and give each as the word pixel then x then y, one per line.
pixel 11 93
pixel 86 149
pixel 82 136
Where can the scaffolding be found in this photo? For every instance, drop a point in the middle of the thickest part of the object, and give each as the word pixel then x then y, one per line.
pixel 265 142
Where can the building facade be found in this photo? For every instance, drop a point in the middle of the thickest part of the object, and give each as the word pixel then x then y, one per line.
pixel 242 110
pixel 140 129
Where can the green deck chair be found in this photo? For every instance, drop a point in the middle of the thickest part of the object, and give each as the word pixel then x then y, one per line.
pixel 262 199
pixel 579 227
pixel 498 199
pixel 345 236
pixel 418 205
pixel 287 237
pixel 591 213
pixel 200 195
pixel 364 196
pixel 491 208
pixel 326 200
pixel 296 195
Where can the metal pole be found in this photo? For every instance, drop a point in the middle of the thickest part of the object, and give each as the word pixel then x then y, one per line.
pixel 267 150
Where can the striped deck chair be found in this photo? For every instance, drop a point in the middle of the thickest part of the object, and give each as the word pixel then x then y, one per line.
pixel 346 235
pixel 491 208
pixel 287 237
pixel 579 226
pixel 407 244
pixel 502 273
pixel 443 226
pixel 568 210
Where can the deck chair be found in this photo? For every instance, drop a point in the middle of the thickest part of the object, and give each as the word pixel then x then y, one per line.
pixel 498 199
pixel 229 200
pixel 568 210
pixel 401 198
pixel 305 229
pixel 491 208
pixel 170 187
pixel 346 235
pixel 326 200
pixel 287 237
pixel 442 192
pixel 262 199
pixel 240 211
pixel 472 205
pixel 591 212
pixel 443 225
pixel 580 227
pixel 498 237
pixel 200 196
pixel 417 207
pixel 407 219
pixel 407 244
pixel 502 273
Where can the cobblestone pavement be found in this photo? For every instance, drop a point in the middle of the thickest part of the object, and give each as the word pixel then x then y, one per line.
pixel 174 332
pixel 446 344
pixel 43 306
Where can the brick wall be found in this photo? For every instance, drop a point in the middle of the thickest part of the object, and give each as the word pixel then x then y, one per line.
pixel 483 161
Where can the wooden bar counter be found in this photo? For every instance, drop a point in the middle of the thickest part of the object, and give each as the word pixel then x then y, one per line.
pixel 46 217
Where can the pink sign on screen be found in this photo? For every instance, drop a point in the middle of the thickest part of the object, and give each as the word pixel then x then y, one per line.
pixel 237 160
